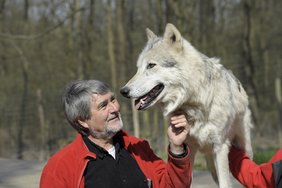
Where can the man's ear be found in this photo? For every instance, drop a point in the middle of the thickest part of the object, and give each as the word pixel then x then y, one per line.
pixel 83 124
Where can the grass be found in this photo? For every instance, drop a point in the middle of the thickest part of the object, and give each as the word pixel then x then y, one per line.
pixel 260 156
pixel 264 155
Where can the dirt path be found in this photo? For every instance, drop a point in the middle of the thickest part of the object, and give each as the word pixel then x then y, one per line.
pixel 26 174
pixel 19 174
pixel 203 179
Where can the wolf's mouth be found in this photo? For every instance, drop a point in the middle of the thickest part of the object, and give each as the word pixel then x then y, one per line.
pixel 143 102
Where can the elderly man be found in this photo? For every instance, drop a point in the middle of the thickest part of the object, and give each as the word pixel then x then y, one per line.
pixel 104 155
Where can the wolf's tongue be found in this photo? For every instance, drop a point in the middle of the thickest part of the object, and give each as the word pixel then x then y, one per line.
pixel 140 102
pixel 137 105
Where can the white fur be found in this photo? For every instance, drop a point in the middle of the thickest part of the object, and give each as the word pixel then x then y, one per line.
pixel 211 96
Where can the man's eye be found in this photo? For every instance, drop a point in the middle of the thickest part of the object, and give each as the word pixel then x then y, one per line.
pixel 102 106
pixel 151 65
pixel 113 99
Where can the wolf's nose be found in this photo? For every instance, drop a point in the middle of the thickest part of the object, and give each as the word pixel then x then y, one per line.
pixel 125 92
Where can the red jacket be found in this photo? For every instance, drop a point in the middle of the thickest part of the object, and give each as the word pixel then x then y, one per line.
pixel 65 169
pixel 249 173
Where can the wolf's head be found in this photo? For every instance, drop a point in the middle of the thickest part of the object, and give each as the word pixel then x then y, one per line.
pixel 165 70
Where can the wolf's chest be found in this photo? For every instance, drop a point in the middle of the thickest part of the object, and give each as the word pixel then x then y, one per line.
pixel 204 135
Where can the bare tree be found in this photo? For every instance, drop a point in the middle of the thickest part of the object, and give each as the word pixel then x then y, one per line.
pixel 43 126
pixel 135 117
pixel 111 45
pixel 249 68
pixel 24 103
pixel 278 92
pixel 26 9
pixel 2 7
pixel 121 39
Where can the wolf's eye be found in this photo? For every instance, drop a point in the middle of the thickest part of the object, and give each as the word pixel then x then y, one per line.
pixel 151 65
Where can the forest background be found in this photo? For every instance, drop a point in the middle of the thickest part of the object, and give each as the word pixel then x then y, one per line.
pixel 45 44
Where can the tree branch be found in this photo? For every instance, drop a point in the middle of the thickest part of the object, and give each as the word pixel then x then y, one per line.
pixel 36 36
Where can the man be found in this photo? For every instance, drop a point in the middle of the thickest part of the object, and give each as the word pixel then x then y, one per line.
pixel 252 175
pixel 104 155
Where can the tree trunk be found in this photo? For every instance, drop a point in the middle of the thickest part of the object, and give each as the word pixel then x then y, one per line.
pixel 44 154
pixel 159 16
pixel 91 13
pixel 135 117
pixel 2 7
pixel 77 37
pixel 165 127
pixel 146 128
pixel 278 93
pixel 111 52
pixel 22 122
pixel 206 16
pixel 121 39
pixel 23 105
pixel 249 68
pixel 26 8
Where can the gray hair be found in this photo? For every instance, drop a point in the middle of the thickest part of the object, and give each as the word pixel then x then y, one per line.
pixel 77 101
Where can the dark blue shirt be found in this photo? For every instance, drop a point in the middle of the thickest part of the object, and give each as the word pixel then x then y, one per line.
pixel 107 172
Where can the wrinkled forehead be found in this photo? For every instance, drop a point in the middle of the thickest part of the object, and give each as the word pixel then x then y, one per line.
pixel 98 98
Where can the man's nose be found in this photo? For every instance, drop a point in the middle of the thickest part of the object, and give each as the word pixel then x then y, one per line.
pixel 114 107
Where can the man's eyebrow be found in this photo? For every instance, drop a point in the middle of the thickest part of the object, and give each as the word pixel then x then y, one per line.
pixel 101 104
pixel 113 96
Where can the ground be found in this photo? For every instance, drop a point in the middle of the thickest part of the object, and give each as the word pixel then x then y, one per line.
pixel 26 174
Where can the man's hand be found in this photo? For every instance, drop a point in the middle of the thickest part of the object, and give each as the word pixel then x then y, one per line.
pixel 177 132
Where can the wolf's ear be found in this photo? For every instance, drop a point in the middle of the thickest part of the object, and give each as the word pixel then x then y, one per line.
pixel 173 36
pixel 150 34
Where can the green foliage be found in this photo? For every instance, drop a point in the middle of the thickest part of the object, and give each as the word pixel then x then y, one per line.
pixel 264 155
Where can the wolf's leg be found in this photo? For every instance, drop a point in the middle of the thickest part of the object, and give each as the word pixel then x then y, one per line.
pixel 193 150
pixel 222 165
pixel 242 137
pixel 211 166
pixel 247 132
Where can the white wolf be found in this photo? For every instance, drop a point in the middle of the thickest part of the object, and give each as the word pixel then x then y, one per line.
pixel 173 74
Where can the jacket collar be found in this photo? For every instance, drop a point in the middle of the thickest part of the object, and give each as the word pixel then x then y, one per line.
pixel 84 151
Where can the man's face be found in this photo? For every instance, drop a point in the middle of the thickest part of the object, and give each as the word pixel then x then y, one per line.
pixel 105 119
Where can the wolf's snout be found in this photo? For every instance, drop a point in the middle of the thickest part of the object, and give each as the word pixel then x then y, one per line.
pixel 125 92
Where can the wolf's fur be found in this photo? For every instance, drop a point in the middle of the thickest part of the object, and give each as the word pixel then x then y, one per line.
pixel 211 96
